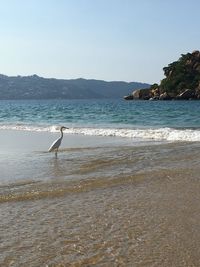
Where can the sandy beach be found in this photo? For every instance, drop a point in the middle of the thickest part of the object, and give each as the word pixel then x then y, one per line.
pixel 102 202
pixel 114 86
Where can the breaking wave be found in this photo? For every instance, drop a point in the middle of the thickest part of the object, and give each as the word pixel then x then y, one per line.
pixel 167 134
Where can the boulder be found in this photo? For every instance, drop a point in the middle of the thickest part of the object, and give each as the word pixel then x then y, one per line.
pixel 136 94
pixel 165 96
pixel 143 94
pixel 186 94
pixel 197 92
pixel 128 97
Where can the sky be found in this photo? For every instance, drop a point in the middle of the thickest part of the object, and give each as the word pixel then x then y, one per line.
pixel 112 40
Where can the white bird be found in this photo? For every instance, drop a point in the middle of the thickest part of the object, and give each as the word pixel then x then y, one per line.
pixel 57 142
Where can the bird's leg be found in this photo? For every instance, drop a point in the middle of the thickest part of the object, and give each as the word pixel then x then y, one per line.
pixel 56 152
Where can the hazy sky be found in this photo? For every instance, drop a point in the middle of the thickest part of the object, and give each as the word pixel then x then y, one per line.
pixel 130 40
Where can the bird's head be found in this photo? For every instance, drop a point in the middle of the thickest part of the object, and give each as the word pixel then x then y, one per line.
pixel 63 128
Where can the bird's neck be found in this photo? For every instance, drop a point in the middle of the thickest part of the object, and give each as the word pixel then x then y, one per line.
pixel 61 134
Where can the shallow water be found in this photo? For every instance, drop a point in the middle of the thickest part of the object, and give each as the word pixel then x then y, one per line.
pixel 100 203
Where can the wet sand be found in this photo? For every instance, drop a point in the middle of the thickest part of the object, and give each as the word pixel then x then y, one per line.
pixel 101 203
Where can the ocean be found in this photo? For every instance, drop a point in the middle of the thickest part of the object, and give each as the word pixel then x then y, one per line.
pixel 123 191
pixel 144 120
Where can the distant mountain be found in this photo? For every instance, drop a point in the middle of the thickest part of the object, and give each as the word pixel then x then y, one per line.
pixel 35 87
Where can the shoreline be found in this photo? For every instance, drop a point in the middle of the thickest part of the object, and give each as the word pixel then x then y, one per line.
pixel 24 155
pixel 103 201
pixel 150 219
pixel 22 140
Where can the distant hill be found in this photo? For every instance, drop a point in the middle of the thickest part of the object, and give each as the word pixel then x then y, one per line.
pixel 35 87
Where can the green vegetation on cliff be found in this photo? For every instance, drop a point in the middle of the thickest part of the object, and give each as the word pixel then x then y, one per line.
pixel 181 82
pixel 182 74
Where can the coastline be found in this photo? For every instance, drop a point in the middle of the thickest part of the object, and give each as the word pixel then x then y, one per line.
pixel 100 203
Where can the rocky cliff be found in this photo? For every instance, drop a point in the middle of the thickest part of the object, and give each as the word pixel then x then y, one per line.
pixel 181 82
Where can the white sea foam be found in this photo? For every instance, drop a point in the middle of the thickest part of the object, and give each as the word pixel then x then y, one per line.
pixel 168 134
pixel 30 128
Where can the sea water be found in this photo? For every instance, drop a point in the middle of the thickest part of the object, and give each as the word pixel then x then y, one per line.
pixel 123 191
pixel 158 120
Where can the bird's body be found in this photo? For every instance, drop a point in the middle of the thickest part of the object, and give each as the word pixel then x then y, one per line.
pixel 57 142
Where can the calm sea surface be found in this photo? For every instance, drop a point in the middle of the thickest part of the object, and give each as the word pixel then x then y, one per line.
pixel 123 191
pixel 109 113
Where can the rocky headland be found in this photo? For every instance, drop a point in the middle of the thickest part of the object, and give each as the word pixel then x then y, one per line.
pixel 181 82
